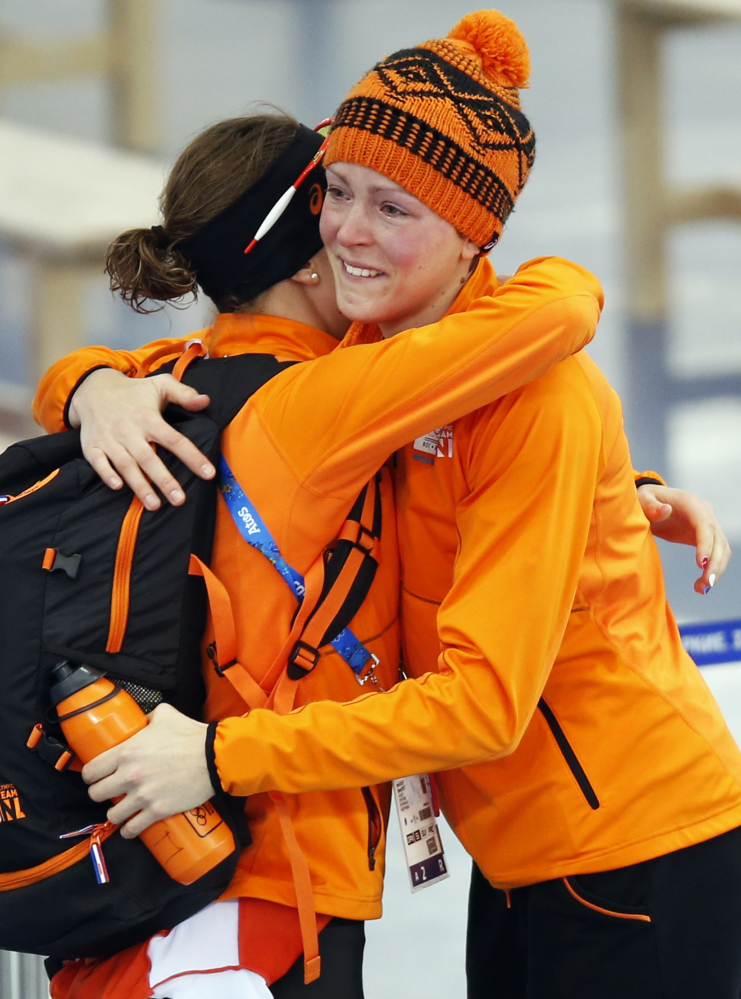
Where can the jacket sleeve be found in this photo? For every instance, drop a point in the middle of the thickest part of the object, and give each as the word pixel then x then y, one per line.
pixel 353 408
pixel 536 459
pixel 648 478
pixel 58 384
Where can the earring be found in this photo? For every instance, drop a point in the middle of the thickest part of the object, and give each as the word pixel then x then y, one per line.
pixel 314 276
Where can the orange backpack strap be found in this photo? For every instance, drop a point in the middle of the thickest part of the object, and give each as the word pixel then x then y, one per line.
pixel 304 891
pixel 364 544
pixel 300 653
pixel 226 637
pixel 193 349
pixel 254 697
pixel 188 352
pixel 327 588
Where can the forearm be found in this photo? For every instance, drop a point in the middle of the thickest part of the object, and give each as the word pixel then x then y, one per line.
pixel 523 531
pixel 61 380
pixel 327 746
pixel 359 404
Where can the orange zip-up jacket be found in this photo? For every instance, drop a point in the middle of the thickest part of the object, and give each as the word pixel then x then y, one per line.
pixel 547 666
pixel 302 449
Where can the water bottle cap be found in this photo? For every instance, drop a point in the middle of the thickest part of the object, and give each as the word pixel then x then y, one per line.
pixel 68 679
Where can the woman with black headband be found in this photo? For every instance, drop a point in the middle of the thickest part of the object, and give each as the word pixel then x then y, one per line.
pixel 302 449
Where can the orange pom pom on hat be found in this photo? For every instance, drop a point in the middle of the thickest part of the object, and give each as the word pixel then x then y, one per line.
pixel 443 120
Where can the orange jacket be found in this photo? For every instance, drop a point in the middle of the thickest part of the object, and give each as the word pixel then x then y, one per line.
pixel 585 738
pixel 302 449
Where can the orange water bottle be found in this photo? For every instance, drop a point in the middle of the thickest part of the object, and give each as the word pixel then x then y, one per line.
pixel 96 715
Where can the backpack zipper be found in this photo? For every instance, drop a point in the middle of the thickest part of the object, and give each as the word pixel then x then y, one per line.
pixel 374 826
pixel 122 576
pixel 62 861
pixel 569 756
pixel 5 498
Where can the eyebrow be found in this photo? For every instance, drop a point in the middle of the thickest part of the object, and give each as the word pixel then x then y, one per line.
pixel 393 190
pixel 374 188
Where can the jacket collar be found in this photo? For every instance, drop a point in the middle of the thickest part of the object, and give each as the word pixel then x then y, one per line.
pixel 243 333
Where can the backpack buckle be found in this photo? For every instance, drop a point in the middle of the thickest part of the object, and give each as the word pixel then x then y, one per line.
pixel 221 670
pixel 57 754
pixel 363 532
pixel 302 660
pixel 359 536
pixel 211 653
pixel 54 559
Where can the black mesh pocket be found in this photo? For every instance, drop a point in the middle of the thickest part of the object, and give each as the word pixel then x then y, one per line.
pixel 146 697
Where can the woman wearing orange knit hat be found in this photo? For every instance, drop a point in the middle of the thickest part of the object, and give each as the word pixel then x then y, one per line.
pixel 581 759
pixel 302 449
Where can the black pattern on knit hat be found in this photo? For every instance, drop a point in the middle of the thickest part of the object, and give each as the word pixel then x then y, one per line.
pixel 431 119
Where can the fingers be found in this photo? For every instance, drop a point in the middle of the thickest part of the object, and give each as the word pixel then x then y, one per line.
pixel 654 509
pixel 101 767
pixel 173 391
pixel 720 558
pixel 133 815
pixel 129 470
pixel 713 553
pixel 131 459
pixel 124 787
pixel 685 518
pixel 714 564
pixel 103 467
pixel 658 513
pixel 183 449
pixel 146 467
pixel 136 826
pixel 706 528
pixel 121 419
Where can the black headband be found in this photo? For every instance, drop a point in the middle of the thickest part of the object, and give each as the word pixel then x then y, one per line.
pixel 216 251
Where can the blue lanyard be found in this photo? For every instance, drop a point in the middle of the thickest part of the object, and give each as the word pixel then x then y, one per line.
pixel 255 532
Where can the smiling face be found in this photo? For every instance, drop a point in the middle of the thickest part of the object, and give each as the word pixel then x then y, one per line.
pixel 395 262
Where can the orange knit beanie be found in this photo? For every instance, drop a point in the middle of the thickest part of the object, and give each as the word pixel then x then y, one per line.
pixel 443 120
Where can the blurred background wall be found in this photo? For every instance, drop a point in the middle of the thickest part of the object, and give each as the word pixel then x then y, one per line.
pixel 63 193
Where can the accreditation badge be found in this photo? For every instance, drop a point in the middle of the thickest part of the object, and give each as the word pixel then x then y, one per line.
pixel 423 848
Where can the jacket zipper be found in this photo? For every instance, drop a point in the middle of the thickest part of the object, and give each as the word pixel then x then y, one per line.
pixel 374 826
pixel 122 576
pixel 569 756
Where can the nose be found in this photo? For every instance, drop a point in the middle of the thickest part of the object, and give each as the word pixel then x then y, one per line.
pixel 355 228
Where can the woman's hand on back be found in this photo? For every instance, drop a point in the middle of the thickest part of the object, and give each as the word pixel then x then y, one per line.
pixel 120 419
pixel 684 518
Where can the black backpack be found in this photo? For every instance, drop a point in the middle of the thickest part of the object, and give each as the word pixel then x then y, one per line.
pixel 60 544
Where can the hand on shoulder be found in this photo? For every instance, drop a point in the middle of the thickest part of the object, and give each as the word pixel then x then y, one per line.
pixel 120 419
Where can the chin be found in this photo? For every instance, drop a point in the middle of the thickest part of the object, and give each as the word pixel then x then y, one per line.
pixel 360 309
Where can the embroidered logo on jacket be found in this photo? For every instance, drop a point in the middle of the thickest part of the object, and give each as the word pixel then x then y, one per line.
pixel 10 804
pixel 438 443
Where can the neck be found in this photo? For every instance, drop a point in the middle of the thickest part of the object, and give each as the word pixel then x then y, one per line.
pixel 290 300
